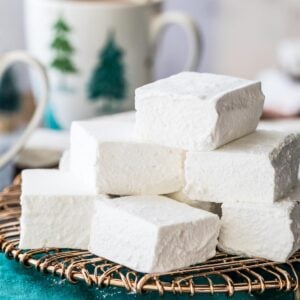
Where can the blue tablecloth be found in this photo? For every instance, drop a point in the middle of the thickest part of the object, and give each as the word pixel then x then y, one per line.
pixel 19 283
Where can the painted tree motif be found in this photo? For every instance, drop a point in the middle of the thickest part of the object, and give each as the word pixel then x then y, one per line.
pixel 10 99
pixel 62 48
pixel 108 78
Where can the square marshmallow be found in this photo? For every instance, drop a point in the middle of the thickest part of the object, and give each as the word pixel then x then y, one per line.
pixel 261 167
pixel 153 233
pixel 120 119
pixel 56 210
pixel 106 156
pixel 270 231
pixel 197 111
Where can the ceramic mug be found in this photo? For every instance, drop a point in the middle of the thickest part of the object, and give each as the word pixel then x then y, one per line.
pixel 6 61
pixel 98 52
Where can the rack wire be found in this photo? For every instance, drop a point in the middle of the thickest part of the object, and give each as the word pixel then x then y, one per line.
pixel 223 274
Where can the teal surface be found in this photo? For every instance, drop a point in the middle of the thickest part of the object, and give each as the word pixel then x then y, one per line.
pixel 17 282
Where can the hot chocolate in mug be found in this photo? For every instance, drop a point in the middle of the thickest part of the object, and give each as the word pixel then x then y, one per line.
pixel 98 52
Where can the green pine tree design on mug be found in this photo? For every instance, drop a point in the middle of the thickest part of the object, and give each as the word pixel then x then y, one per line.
pixel 108 78
pixel 63 50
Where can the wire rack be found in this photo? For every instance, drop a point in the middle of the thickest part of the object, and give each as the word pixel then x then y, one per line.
pixel 222 274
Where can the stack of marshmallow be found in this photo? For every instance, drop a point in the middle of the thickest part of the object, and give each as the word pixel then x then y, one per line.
pixel 108 197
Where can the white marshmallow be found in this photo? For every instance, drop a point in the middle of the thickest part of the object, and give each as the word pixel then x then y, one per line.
pixel 56 210
pixel 261 167
pixel 270 231
pixel 85 137
pixel 195 111
pixel 212 207
pixel 153 233
pixel 105 155
pixel 64 162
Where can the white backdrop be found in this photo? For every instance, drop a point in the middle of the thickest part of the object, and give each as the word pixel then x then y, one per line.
pixel 11 25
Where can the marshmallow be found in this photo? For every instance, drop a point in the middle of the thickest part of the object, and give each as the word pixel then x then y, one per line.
pixel 106 156
pixel 56 210
pixel 196 111
pixel 153 233
pixel 118 119
pixel 270 231
pixel 261 167
pixel 212 207
pixel 64 162
pixel 85 138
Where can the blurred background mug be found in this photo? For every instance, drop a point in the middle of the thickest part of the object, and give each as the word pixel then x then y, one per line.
pixel 11 144
pixel 98 52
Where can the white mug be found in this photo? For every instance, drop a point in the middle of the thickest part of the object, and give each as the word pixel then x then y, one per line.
pixel 6 61
pixel 98 52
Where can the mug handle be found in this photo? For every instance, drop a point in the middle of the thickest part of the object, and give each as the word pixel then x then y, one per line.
pixel 161 22
pixel 7 60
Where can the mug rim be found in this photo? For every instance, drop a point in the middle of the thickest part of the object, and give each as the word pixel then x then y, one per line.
pixel 103 4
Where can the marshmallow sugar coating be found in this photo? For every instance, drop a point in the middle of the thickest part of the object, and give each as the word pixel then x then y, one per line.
pixel 261 167
pixel 106 156
pixel 270 231
pixel 153 233
pixel 56 210
pixel 197 111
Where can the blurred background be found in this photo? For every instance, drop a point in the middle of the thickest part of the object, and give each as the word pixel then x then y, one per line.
pixel 257 39
pixel 240 36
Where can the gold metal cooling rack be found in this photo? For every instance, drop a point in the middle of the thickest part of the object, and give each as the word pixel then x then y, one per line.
pixel 222 274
